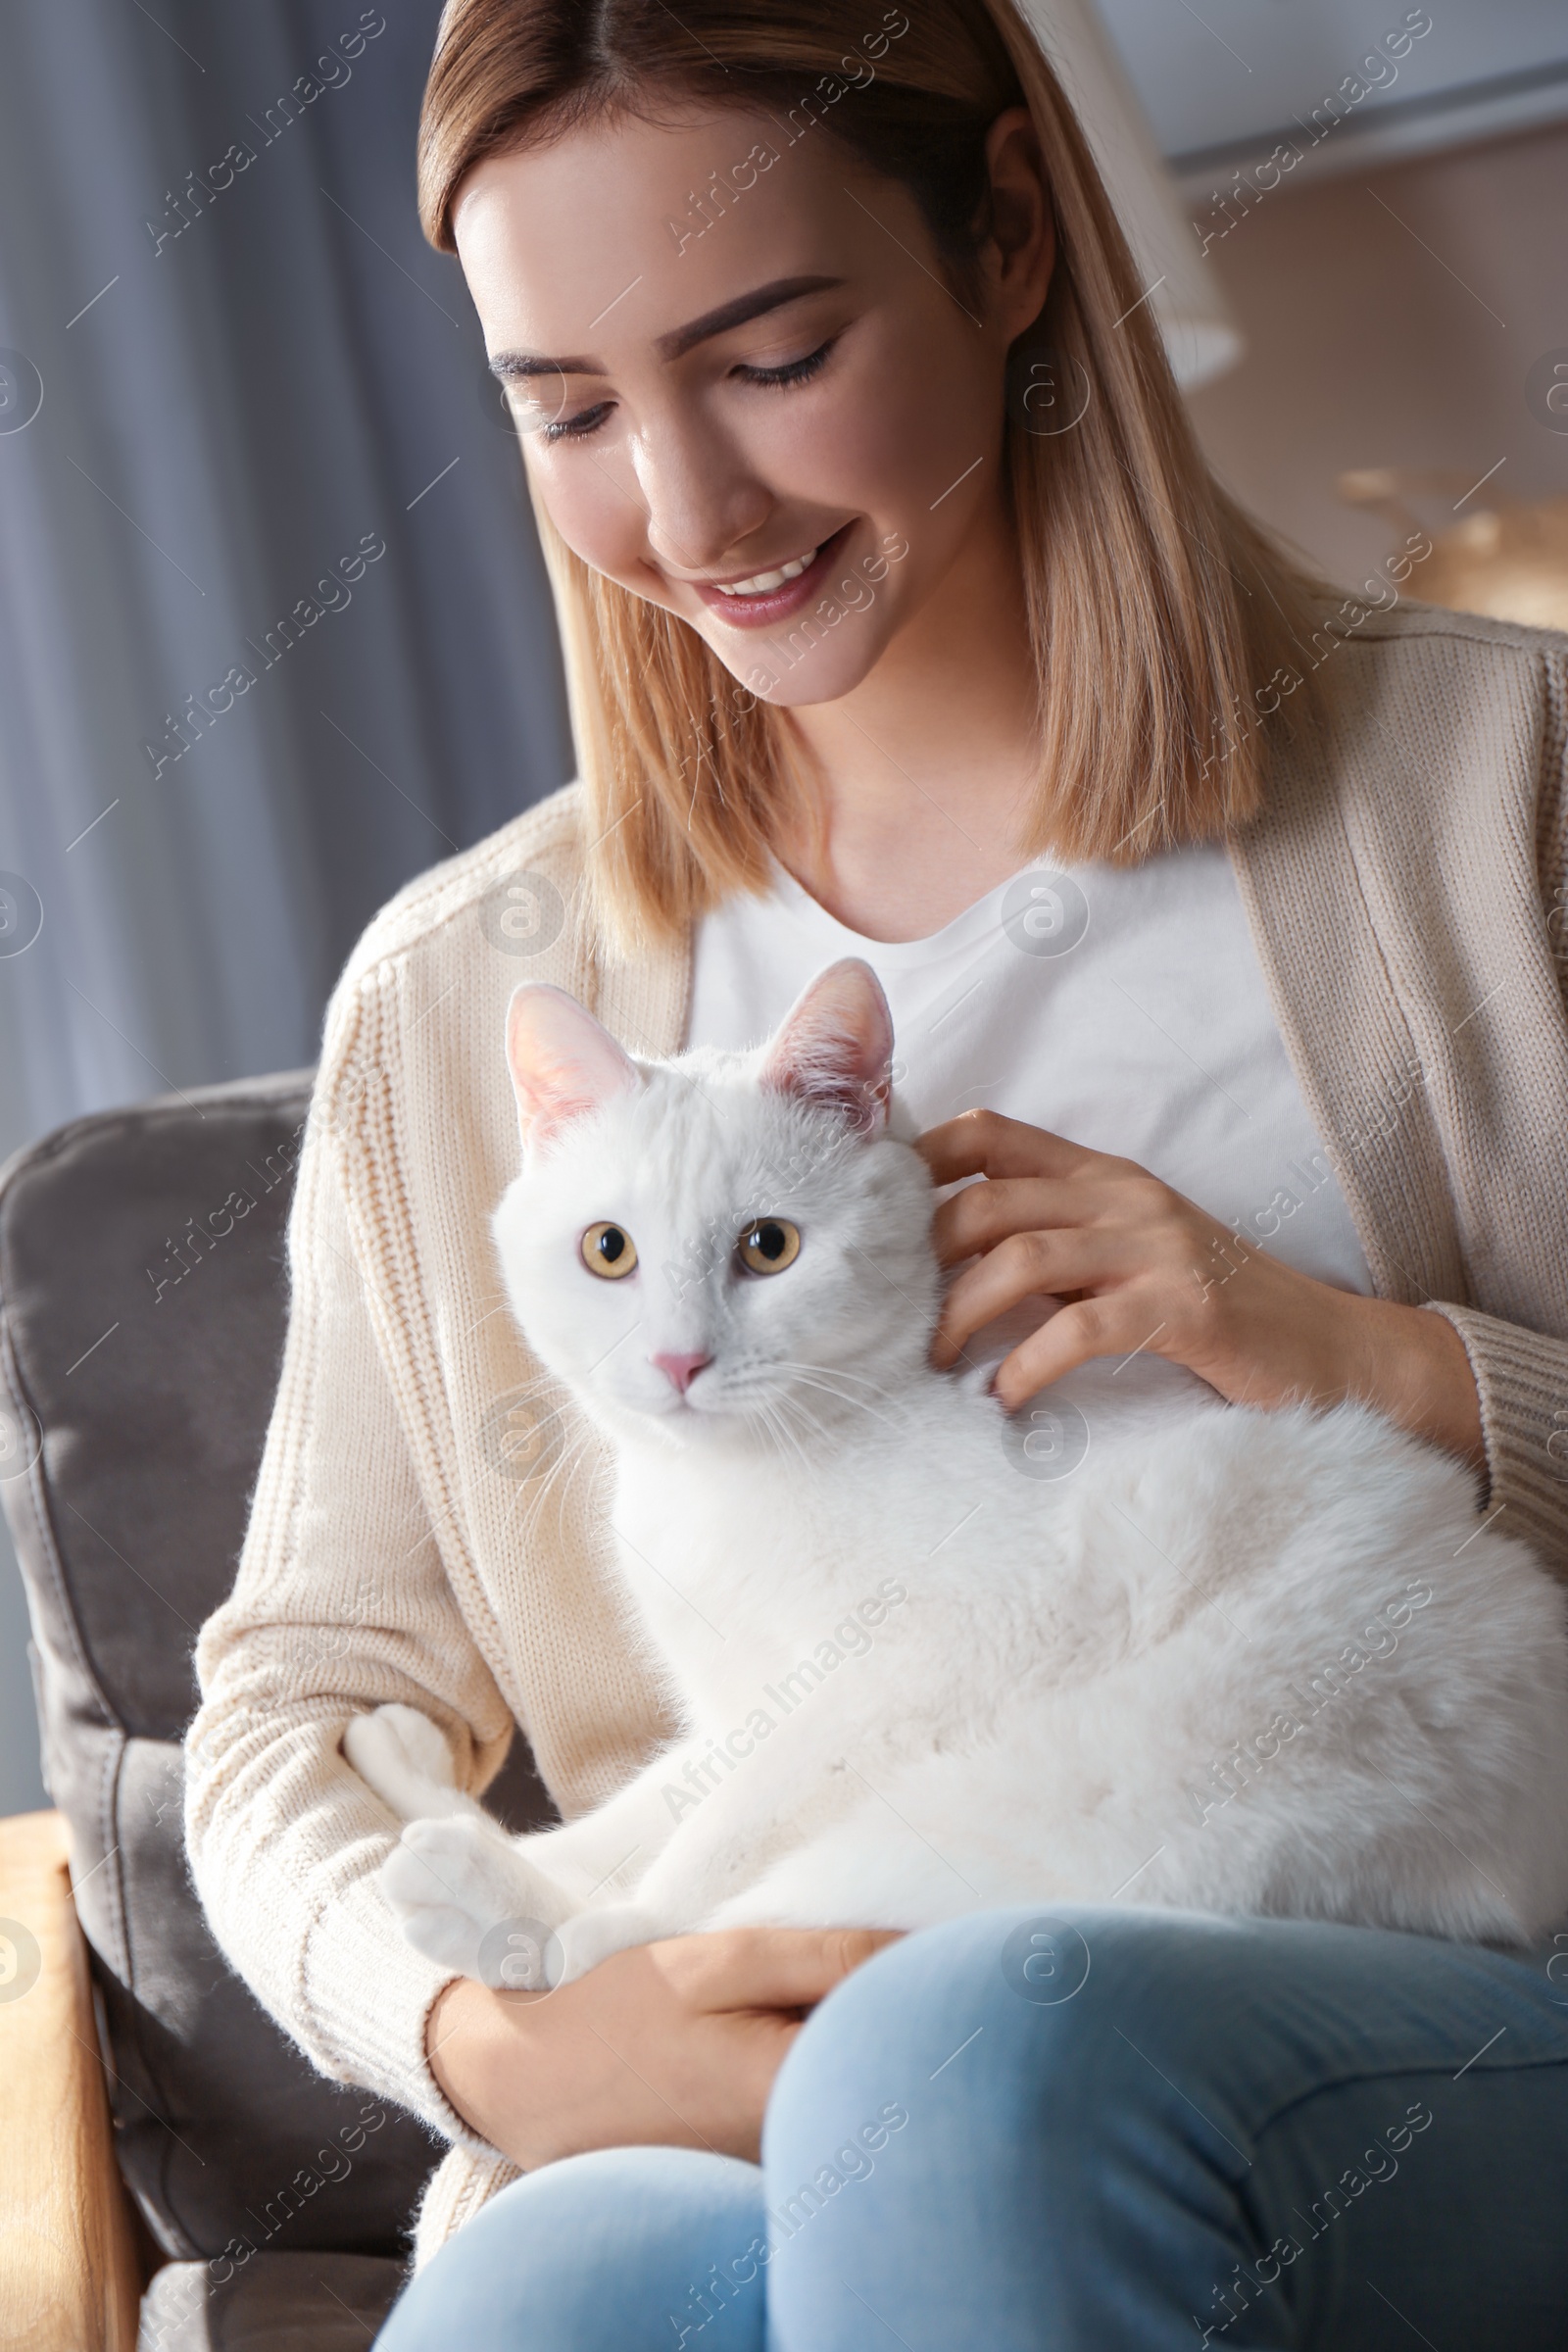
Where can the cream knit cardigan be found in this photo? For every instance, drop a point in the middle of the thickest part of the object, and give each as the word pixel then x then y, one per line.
pixel 1407 893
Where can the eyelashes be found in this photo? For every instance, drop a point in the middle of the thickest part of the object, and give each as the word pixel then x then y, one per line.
pixel 576 429
pixel 782 378
pixel 793 371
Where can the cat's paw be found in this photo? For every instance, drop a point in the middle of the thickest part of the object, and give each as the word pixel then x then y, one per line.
pixel 465 1897
pixel 401 1755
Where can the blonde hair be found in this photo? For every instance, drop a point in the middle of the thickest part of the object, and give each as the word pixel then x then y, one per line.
pixel 1161 617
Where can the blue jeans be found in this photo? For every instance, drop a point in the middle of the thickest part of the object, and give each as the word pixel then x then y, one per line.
pixel 1105 2130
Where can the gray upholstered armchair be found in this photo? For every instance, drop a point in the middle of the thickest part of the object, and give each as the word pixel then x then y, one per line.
pixel 168 2159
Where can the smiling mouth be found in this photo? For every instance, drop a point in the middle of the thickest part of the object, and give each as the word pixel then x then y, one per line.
pixel 770 596
pixel 762 582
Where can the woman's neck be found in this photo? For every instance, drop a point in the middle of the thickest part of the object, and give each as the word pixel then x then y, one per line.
pixel 924 774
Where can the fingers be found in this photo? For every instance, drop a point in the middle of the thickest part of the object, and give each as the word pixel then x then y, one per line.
pixel 984 1213
pixel 984 1144
pixel 766 1968
pixel 1118 1326
pixel 1026 1265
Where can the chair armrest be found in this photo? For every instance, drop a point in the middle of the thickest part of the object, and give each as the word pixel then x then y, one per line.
pixel 68 2272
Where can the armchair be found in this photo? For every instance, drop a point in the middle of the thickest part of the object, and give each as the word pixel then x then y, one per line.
pixel 172 2172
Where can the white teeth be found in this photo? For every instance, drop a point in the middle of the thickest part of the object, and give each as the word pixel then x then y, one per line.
pixel 763 582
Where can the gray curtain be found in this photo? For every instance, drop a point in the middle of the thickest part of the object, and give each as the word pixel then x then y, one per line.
pixel 274 633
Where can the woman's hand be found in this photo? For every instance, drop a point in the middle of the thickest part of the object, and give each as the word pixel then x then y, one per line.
pixel 1143 1269
pixel 670 2044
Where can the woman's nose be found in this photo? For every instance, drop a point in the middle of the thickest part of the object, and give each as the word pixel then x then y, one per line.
pixel 704 501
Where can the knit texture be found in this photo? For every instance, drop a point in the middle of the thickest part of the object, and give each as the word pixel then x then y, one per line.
pixel 1407 891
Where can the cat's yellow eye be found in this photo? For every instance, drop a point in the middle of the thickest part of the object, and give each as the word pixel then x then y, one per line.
pixel 609 1250
pixel 770 1244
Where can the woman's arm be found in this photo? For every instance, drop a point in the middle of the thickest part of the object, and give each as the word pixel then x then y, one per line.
pixel 1142 1268
pixel 342 1601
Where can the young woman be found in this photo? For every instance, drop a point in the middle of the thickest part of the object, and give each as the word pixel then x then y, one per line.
pixel 1221 921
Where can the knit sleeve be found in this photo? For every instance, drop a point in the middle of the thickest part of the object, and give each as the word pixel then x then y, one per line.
pixel 1522 1374
pixel 1552 815
pixel 1522 1377
pixel 342 1603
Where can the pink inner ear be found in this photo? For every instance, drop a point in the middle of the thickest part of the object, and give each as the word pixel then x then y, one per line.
pixel 835 1046
pixel 562 1062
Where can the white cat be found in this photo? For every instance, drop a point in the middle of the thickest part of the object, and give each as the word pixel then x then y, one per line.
pixel 926 1658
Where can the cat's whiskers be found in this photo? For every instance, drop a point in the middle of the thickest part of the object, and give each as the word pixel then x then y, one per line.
pixel 833 1372
pixel 785 1363
pixel 795 1407
pixel 556 1483
pixel 818 1376
pixel 858 1404
pixel 580 1453
pixel 773 1421
pixel 753 1389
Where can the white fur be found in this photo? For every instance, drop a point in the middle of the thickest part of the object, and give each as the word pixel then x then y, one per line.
pixel 1037 1683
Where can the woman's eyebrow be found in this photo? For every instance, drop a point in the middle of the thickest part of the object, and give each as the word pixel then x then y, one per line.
pixel 513 366
pixel 755 305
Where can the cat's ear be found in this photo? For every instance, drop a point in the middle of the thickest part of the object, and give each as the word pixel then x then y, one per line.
pixel 835 1047
pixel 562 1063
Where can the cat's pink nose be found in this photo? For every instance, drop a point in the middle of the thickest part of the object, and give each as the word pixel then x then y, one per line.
pixel 681 1370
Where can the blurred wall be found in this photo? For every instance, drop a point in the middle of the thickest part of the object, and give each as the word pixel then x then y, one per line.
pixel 1392 319
pixel 276 633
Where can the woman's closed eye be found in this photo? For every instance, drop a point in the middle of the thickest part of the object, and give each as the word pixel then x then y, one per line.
pixel 573 428
pixel 788 372
pixel 780 379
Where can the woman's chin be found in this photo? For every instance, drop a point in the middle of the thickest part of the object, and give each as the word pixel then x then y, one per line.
pixel 790 676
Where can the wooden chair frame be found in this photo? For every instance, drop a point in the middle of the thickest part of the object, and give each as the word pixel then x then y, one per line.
pixel 69 2262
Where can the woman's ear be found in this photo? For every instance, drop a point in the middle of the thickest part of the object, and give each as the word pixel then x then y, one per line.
pixel 834 1048
pixel 562 1062
pixel 1020 249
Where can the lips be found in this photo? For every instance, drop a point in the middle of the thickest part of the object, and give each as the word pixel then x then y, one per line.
pixel 763 581
pixel 774 593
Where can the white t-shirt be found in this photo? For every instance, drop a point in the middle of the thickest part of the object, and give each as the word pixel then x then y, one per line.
pixel 1122 1007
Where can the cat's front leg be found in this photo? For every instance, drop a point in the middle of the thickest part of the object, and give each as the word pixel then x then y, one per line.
pixel 597 1934
pixel 404 1757
pixel 466 1896
pixel 605 1853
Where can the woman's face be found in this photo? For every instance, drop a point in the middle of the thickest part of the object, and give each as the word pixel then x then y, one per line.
pixel 710 399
